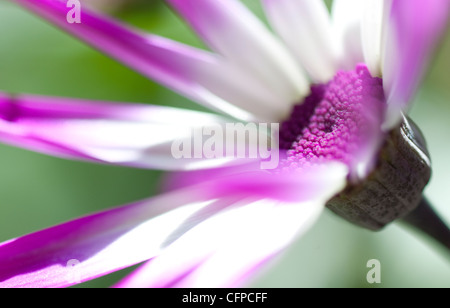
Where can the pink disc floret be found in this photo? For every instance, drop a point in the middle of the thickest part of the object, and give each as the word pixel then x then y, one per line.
pixel 338 121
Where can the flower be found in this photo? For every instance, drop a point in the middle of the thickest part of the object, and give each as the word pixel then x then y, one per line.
pixel 228 227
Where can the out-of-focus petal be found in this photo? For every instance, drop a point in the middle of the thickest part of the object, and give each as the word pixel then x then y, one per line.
pixel 229 28
pixel 101 243
pixel 306 28
pixel 227 249
pixel 347 16
pixel 371 136
pixel 199 75
pixel 306 184
pixel 125 134
pixel 96 245
pixel 414 30
pixel 375 14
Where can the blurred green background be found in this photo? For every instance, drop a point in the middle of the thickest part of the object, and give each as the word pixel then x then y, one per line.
pixel 38 191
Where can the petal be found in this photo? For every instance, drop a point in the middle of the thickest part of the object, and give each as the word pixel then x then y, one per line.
pixel 347 17
pixel 96 245
pixel 307 184
pixel 104 242
pixel 229 28
pixel 372 28
pixel 227 249
pixel 125 134
pixel 306 28
pixel 250 180
pixel 201 76
pixel 415 28
pixel 371 136
pixel 250 236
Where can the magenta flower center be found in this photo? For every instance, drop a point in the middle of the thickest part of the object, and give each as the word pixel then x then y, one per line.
pixel 335 120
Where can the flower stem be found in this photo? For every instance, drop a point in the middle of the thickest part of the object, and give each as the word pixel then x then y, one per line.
pixel 425 219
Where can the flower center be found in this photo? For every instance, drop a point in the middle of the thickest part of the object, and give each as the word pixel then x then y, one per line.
pixel 336 121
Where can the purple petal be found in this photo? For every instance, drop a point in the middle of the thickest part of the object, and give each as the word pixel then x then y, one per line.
pixel 415 27
pixel 101 243
pixel 125 134
pixel 229 28
pixel 200 75
pixel 227 249
pixel 305 185
pixel 96 245
pixel 248 180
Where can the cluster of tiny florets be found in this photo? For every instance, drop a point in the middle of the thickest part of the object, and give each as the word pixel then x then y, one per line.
pixel 329 123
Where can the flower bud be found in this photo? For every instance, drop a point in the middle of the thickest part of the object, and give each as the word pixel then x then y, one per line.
pixel 395 187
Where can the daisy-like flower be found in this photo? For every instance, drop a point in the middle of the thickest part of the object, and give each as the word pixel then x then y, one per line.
pixel 337 85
